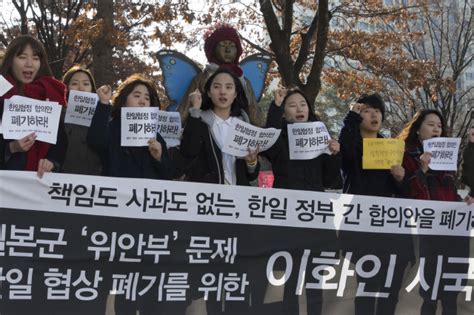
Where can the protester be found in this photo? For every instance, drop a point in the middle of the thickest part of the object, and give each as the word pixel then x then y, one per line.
pixel 104 134
pixel 26 67
pixel 289 107
pixel 316 174
pixel 80 157
pixel 427 184
pixel 2 140
pixel 203 138
pixel 468 166
pixel 209 121
pixel 364 120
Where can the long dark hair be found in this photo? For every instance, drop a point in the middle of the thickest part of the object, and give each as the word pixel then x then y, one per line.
pixel 295 90
pixel 17 46
pixel 409 132
pixel 120 98
pixel 75 69
pixel 240 102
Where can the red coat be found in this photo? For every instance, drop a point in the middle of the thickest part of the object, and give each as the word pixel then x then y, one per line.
pixel 42 88
pixel 432 185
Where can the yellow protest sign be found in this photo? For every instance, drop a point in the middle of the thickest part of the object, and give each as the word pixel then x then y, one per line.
pixel 382 154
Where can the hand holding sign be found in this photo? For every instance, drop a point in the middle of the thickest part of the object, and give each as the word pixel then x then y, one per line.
pixel 425 160
pixel 334 146
pixel 398 172
pixel 251 158
pixel 105 94
pixel 24 144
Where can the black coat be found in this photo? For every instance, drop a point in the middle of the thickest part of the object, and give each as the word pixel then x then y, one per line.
pixel 379 183
pixel 198 143
pixel 133 162
pixel 356 180
pixel 80 157
pixel 315 174
pixel 468 167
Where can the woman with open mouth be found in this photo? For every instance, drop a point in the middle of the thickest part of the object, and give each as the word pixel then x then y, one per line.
pixel 210 118
pixel 427 184
pixel 26 67
pixel 290 106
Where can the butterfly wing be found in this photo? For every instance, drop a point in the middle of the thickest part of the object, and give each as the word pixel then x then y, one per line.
pixel 255 68
pixel 178 73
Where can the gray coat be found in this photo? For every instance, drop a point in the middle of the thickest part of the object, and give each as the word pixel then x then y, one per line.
pixel 80 158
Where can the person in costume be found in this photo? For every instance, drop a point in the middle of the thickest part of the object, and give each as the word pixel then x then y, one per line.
pixel 26 67
pixel 223 50
pixel 182 76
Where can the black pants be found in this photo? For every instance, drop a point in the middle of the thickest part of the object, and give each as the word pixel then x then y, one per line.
pixel 430 248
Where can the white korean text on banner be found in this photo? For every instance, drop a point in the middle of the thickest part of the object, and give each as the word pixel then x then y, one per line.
pixel 243 136
pixel 169 127
pixel 307 140
pixel 80 108
pixel 23 116
pixel 138 125
pixel 69 242
pixel 444 153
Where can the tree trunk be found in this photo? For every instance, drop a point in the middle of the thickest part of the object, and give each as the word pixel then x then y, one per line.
pixel 281 37
pixel 102 49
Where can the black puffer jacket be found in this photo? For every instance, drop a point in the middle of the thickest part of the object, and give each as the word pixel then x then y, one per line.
pixel 356 180
pixel 198 143
pixel 315 174
pixel 133 162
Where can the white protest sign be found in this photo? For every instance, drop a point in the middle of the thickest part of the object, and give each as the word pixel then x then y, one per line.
pixel 169 127
pixel 138 125
pixel 444 153
pixel 5 86
pixel 80 108
pixel 23 115
pixel 243 136
pixel 307 140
